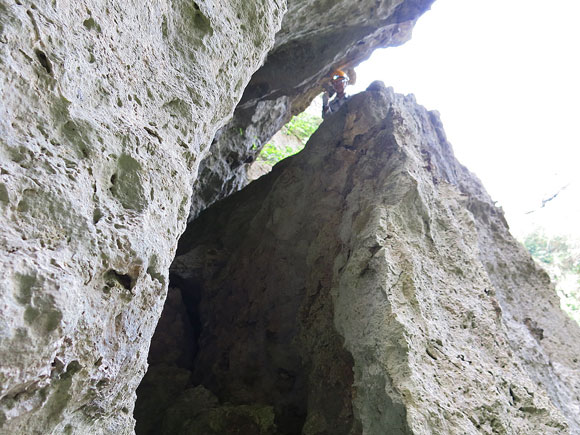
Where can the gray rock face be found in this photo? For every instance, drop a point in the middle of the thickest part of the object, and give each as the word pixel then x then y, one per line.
pixel 316 38
pixel 224 170
pixel 369 285
pixel 106 111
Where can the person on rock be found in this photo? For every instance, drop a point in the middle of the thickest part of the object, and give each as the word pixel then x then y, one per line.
pixel 339 82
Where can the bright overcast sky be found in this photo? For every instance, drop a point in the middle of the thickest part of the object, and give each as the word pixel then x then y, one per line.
pixel 505 77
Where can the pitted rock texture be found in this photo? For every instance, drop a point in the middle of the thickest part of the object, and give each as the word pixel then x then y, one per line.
pixel 106 110
pixel 369 285
pixel 316 38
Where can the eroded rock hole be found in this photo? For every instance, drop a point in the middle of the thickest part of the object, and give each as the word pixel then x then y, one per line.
pixel 44 61
pixel 127 183
pixel 91 24
pixel 112 277
pixel 97 215
pixel 200 22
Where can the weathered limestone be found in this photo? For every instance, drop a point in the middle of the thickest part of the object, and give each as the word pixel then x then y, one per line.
pixel 316 38
pixel 366 285
pixel 106 110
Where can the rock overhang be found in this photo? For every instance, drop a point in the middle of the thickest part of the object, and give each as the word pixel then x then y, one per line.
pixel 316 38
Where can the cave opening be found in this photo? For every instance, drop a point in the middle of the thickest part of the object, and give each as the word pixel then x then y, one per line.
pixel 212 390
pixel 198 381
pixel 289 140
pixel 171 356
pixel 237 349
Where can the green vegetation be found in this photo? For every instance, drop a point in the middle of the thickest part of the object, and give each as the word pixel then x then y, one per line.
pixel 560 256
pixel 302 127
pixel 272 154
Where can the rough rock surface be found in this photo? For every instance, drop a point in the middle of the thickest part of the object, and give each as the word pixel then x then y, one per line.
pixel 106 110
pixel 366 285
pixel 316 37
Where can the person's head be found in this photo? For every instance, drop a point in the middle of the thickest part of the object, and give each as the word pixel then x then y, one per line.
pixel 339 81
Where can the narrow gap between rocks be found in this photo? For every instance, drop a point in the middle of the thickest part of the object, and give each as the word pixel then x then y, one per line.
pixel 290 140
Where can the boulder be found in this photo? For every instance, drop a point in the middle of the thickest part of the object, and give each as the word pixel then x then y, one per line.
pixel 370 285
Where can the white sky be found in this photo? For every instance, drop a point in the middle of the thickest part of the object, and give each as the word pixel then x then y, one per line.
pixel 505 77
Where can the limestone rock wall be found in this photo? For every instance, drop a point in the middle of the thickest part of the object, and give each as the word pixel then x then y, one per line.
pixel 316 37
pixel 367 285
pixel 106 110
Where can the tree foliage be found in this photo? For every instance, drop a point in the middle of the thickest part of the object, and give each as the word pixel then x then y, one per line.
pixel 560 256
pixel 302 127
pixel 272 154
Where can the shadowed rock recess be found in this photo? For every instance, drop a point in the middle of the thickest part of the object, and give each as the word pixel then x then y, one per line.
pixel 366 285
